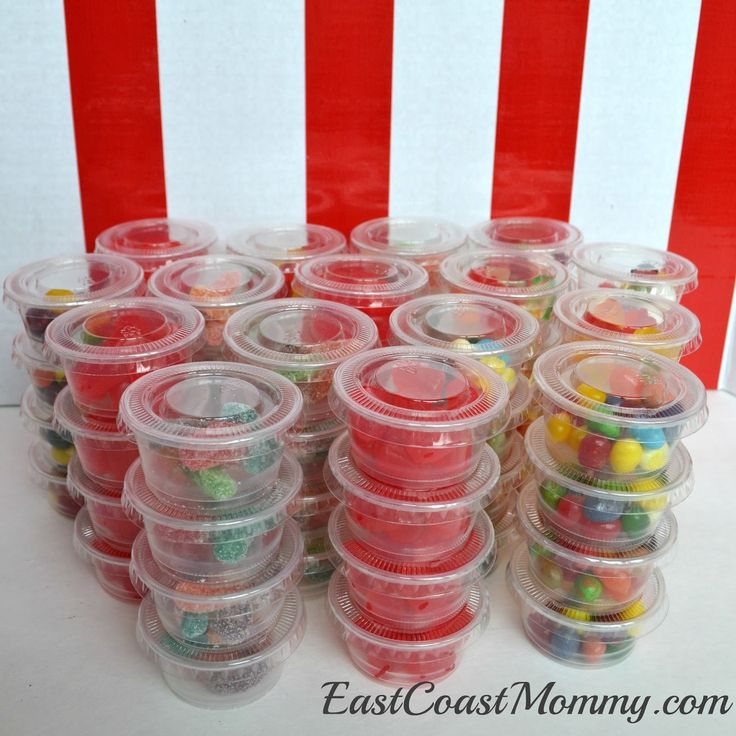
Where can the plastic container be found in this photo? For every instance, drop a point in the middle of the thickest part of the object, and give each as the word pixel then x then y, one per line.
pixel 411 596
pixel 47 379
pixel 105 347
pixel 618 316
pixel 313 511
pixel 375 285
pixel 541 235
pixel 234 546
pixel 426 241
pixel 616 412
pixel 37 419
pixel 104 506
pixel 519 406
pixel 514 470
pixel 217 285
pixel 408 526
pixel 576 637
pixel 403 657
pixel 104 452
pixel 222 679
pixel 43 290
pixel 418 417
pixel 304 340
pixel 318 564
pixel 218 617
pixel 286 246
pixel 614 515
pixel 619 266
pixel 49 477
pixel 528 280
pixel 309 444
pixel 154 242
pixel 110 565
pixel 210 434
pixel 507 535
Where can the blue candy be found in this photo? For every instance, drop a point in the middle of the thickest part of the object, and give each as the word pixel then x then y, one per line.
pixel 488 344
pixel 650 438
pixel 601 509
pixel 565 643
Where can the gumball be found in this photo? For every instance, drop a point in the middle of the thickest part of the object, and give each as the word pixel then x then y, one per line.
pixel 570 507
pixel 612 431
pixel 650 438
pixel 626 454
pixel 616 583
pixel 602 510
pixel 565 643
pixel 588 587
pixel 594 451
pixel 653 460
pixel 635 524
pixel 551 493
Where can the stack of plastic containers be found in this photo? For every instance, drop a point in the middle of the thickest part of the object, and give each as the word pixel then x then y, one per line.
pixel 413 472
pixel 607 465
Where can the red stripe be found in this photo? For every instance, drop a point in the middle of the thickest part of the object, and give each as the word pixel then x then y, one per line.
pixel 113 69
pixel 349 45
pixel 704 214
pixel 542 51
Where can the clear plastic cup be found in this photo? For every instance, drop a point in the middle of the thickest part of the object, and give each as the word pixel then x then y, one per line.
pixel 210 434
pixel 519 406
pixel 219 616
pixel 411 596
pixel 541 235
pixel 43 290
pixel 575 637
pixel 49 477
pixel 110 565
pixel 318 563
pixel 418 417
pixel 37 419
pixel 507 535
pixel 303 340
pixel 309 444
pixel 593 579
pixel 105 347
pixel 286 246
pixel 621 317
pixel 375 285
pixel 425 241
pixel 514 471
pixel 104 452
pixel 104 506
pixel 313 511
pixel 403 525
pixel 235 545
pixel 222 679
pixel 47 379
pixel 616 412
pixel 403 657
pixel 620 266
pixel 218 286
pixel 603 513
pixel 154 242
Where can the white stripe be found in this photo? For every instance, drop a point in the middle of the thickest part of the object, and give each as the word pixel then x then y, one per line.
pixel 232 104
pixel 636 82
pixel 727 377
pixel 39 186
pixel 446 58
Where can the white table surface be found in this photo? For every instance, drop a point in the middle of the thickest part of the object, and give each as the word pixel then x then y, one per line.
pixel 70 664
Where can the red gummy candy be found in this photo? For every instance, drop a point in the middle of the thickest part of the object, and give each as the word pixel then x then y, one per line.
pixel 196 459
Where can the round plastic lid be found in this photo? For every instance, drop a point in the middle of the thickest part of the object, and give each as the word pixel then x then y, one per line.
pixel 125 330
pixel 287 243
pixel 474 325
pixel 295 334
pixel 345 479
pixel 314 437
pixel 512 276
pixel 69 421
pixel 641 388
pixel 210 405
pixel 424 389
pixel 227 281
pixel 33 412
pixel 535 234
pixel 81 487
pixel 66 282
pixel 92 548
pixel 363 279
pixel 420 239
pixel 636 265
pixel 514 465
pixel 42 470
pixel 519 403
pixel 151 241
pixel 29 354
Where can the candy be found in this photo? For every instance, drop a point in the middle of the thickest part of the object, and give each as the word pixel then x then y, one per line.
pixel 577 434
pixel 635 610
pixel 650 438
pixel 551 574
pixel 653 460
pixel 625 456
pixel 612 431
pixel 594 451
pixel 564 643
pixel 558 427
pixel 588 587
pixel 551 493
pixel 592 393
pixel 576 614
pixel 194 625
pixel 602 510
pixel 230 545
pixel 593 650
pixel 215 483
pixel 62 456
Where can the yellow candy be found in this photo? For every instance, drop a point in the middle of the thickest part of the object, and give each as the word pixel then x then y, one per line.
pixel 62 457
pixel 646 331
pixel 636 609
pixel 59 292
pixel 652 460
pixel 592 393
pixel 625 456
pixel 461 344
pixel 576 613
pixel 644 485
pixel 576 437
pixel 59 376
pixel 494 362
pixel 558 427
pixel 653 504
pixel 508 374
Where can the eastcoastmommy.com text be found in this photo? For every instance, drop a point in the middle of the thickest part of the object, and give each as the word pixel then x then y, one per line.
pixel 518 697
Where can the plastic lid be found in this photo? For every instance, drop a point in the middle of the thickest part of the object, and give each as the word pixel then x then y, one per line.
pixel 28 353
pixel 157 240
pixel 287 243
pixel 69 421
pixel 511 276
pixel 140 503
pixel 478 326
pixel 641 388
pixel 299 334
pixel 313 437
pixel 535 234
pixel 346 481
pixel 361 279
pixel 210 405
pixel 422 388
pixel 42 470
pixel 62 283
pixel 623 316
pixel 635 265
pixel 92 548
pixel 125 330
pixel 676 481
pixel 81 487
pixel 514 466
pixel 217 281
pixel 34 413
pixel 521 399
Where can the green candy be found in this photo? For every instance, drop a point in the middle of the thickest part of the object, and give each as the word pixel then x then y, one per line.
pixel 262 457
pixel 215 483
pixel 551 493
pixel 635 524
pixel 230 545
pixel 194 625
pixel 497 443
pixel 537 550
pixel 88 339
pixel 241 413
pixel 612 431
pixel 589 588
pixel 174 646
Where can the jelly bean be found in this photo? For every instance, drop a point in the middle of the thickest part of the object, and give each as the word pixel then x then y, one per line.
pixel 576 437
pixel 634 610
pixel 570 508
pixel 589 588
pixel 551 493
pixel 551 574
pixel 593 650
pixel 650 438
pixel 652 460
pixel 508 374
pixel 601 510
pixel 565 643
pixel 591 393
pixel 635 525
pixel 576 614
pixel 559 427
pixel 594 451
pixel 616 583
pixel 626 454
